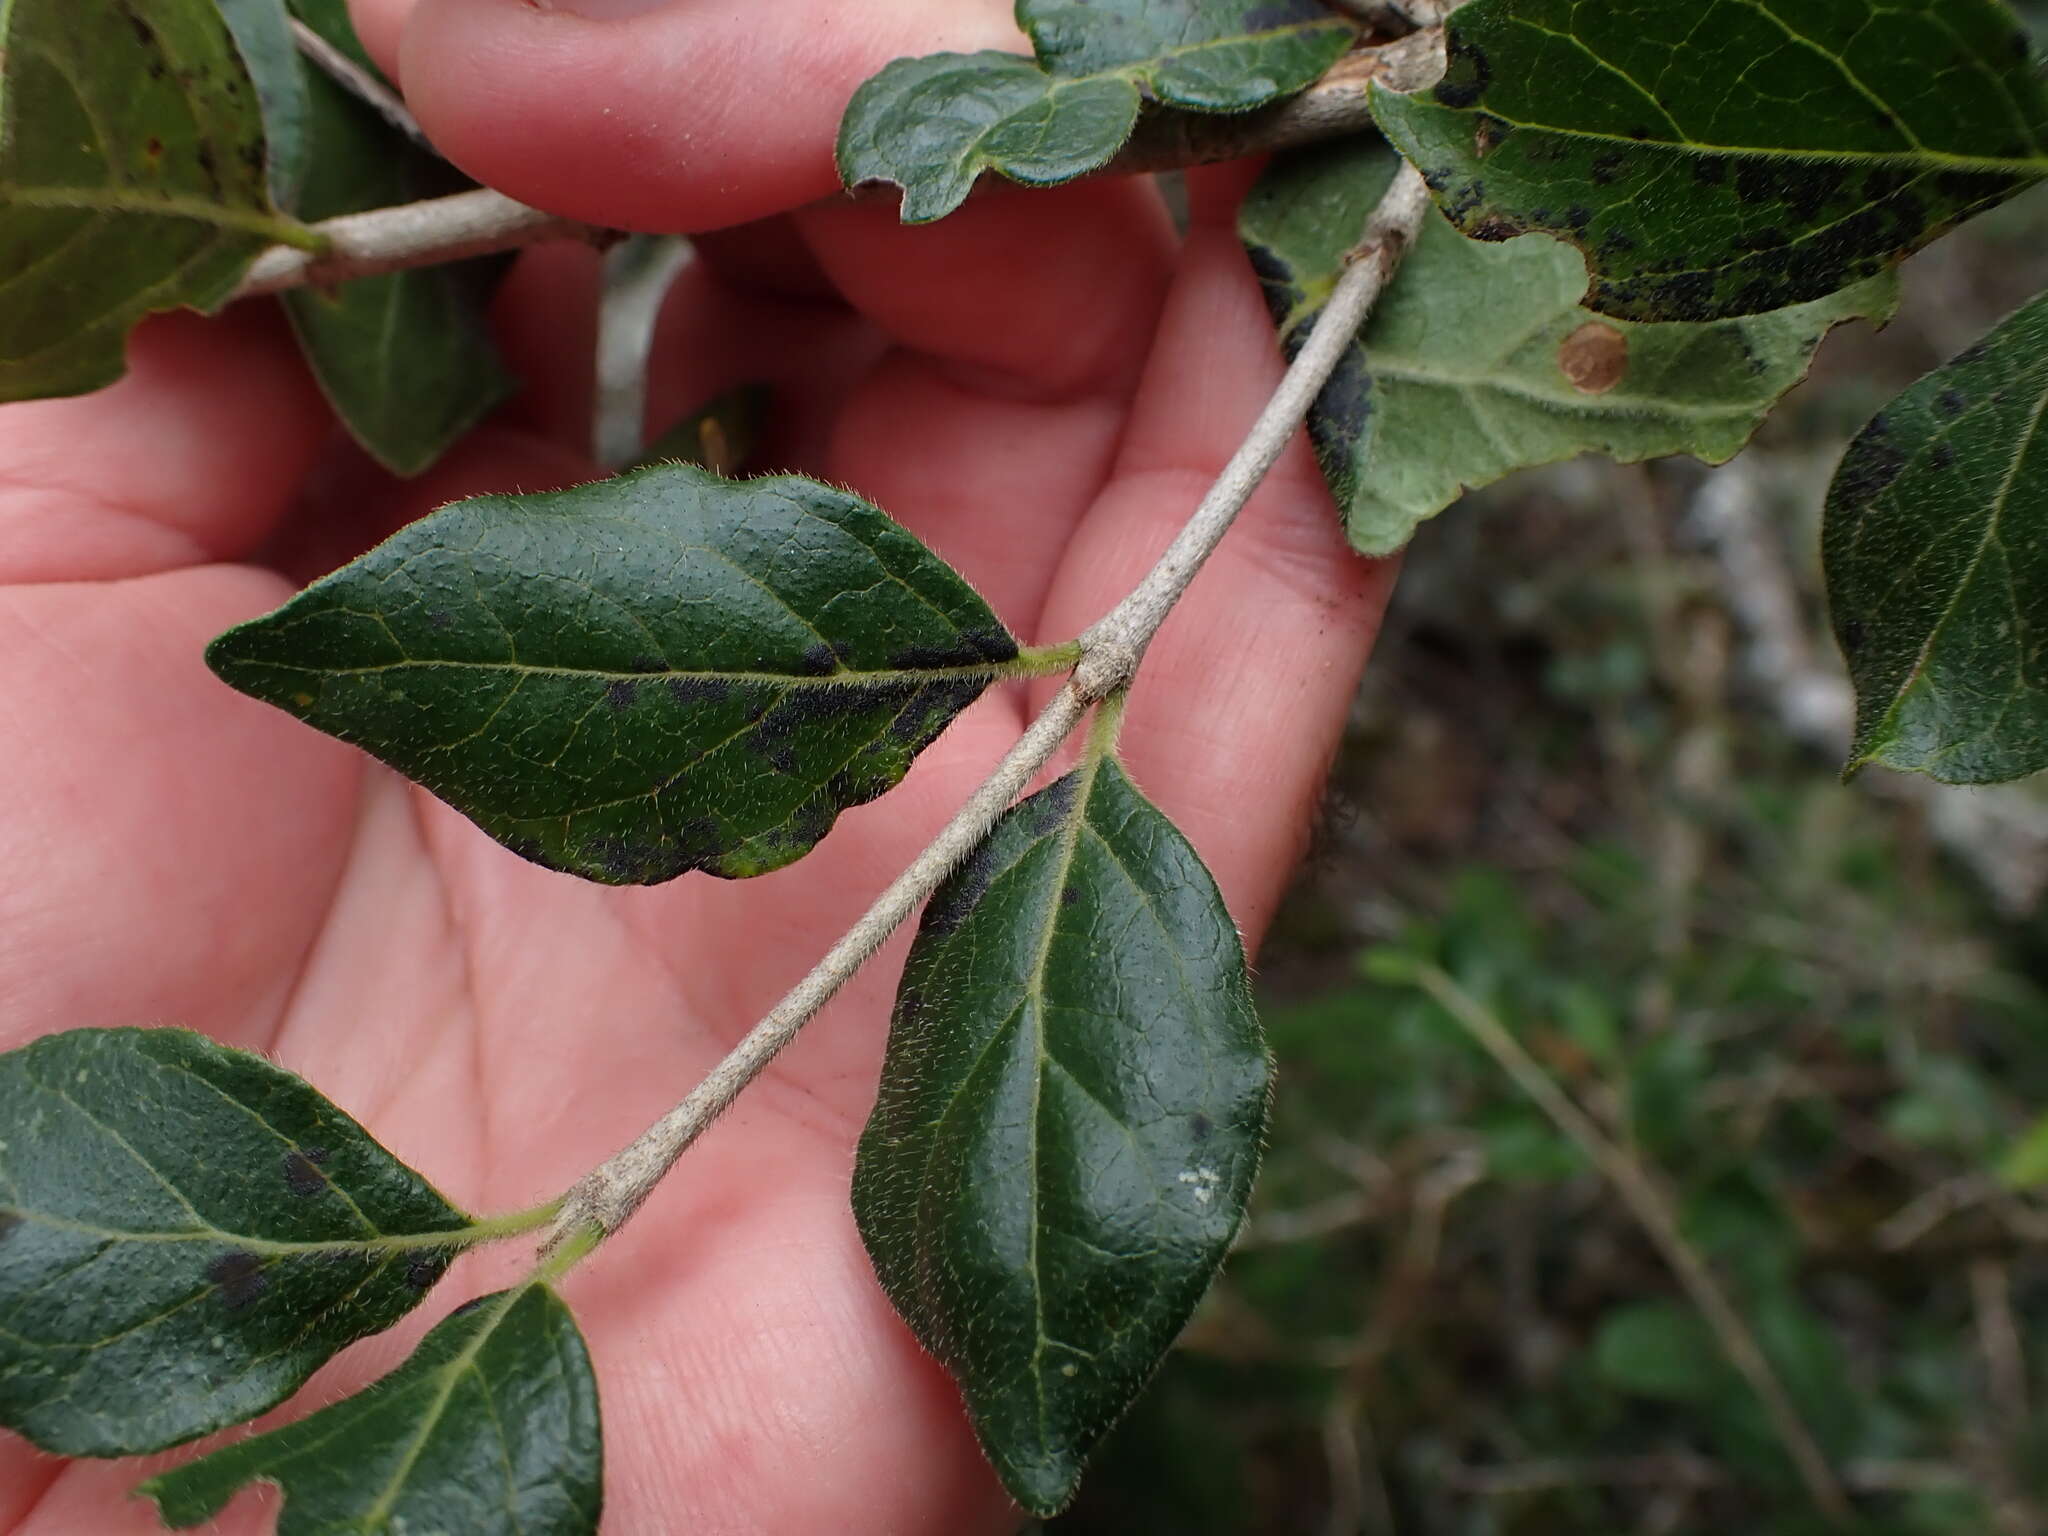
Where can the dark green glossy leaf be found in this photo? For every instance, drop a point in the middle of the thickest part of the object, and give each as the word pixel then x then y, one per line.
pixel 1068 1123
pixel 407 358
pixel 1936 543
pixel 186 1234
pixel 932 125
pixel 658 673
pixel 1732 156
pixel 1439 395
pixel 263 35
pixel 133 178
pixel 490 1429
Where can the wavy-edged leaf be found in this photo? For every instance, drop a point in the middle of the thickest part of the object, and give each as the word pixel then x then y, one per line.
pixel 405 358
pixel 263 36
pixel 489 1429
pixel 1069 1120
pixel 133 178
pixel 1936 547
pixel 932 125
pixel 1732 156
pixel 186 1234
pixel 658 673
pixel 1442 394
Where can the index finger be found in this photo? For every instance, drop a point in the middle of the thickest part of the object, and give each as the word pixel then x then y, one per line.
pixel 655 114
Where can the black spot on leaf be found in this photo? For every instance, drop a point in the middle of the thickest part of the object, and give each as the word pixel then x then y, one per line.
pixel 469 1306
pixel 690 691
pixel 1466 77
pixel 239 1277
pixel 423 1269
pixel 817 661
pixel 1950 403
pixel 962 892
pixel 1853 635
pixel 1943 456
pixel 1200 1126
pixel 301 1176
pixel 1606 169
pixel 1049 807
pixel 647 664
pixel 620 692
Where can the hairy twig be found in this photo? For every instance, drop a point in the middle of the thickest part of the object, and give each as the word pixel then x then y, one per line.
pixel 447 229
pixel 1108 652
pixel 357 81
pixel 423 234
pixel 1654 1214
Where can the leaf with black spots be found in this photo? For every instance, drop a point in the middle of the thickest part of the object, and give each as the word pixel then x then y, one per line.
pixel 1936 548
pixel 1069 1120
pixel 1727 157
pixel 1438 395
pixel 186 1234
pixel 491 1429
pixel 630 680
pixel 134 178
pixel 932 125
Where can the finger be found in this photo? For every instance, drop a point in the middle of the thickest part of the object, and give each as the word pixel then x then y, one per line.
pixel 192 456
pixel 656 116
pixel 1020 324
pixel 1242 698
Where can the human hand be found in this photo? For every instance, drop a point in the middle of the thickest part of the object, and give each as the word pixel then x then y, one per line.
pixel 1039 387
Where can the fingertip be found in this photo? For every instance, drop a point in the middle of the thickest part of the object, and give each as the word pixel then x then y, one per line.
pixel 682 117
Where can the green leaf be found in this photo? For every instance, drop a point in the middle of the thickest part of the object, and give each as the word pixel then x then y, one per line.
pixel 634 679
pixel 489 1429
pixel 186 1234
pixel 263 35
pixel 932 125
pixel 133 178
pixel 1660 1349
pixel 406 358
pixel 1728 157
pixel 1936 546
pixel 1440 395
pixel 1069 1120
pixel 2025 1164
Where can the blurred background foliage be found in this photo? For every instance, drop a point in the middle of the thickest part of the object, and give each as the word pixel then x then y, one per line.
pixel 1592 778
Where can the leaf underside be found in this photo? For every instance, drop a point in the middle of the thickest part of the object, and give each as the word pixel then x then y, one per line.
pixel 1068 1123
pixel 1728 157
pixel 406 358
pixel 263 37
pixel 133 178
pixel 658 673
pixel 1936 547
pixel 932 125
pixel 186 1234
pixel 1480 360
pixel 489 1429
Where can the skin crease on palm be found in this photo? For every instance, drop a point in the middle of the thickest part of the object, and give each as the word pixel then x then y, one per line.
pixel 1040 387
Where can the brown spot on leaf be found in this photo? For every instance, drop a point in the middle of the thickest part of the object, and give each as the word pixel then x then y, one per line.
pixel 1594 357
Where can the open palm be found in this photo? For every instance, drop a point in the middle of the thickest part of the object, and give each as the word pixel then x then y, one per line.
pixel 1039 388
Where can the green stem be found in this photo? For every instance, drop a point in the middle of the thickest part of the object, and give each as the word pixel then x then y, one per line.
pixel 493 1229
pixel 1105 727
pixel 1043 660
pixel 567 1254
